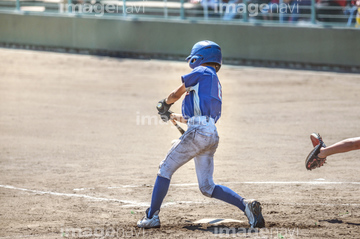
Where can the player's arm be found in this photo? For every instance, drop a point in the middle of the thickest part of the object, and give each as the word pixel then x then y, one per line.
pixel 176 94
pixel 178 117
pixel 165 104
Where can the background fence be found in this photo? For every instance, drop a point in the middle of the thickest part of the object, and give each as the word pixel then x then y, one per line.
pixel 152 31
pixel 298 12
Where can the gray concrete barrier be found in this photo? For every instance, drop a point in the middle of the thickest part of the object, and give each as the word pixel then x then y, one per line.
pixel 241 44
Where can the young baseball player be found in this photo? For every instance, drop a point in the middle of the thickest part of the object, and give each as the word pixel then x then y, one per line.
pixel 201 109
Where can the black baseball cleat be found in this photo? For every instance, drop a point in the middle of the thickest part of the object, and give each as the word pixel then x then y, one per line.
pixel 253 213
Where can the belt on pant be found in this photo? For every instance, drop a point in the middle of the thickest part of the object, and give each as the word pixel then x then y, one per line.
pixel 201 120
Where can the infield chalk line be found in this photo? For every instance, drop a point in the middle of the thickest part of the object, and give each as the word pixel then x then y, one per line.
pixel 299 182
pixel 143 204
pixel 224 183
pixel 128 203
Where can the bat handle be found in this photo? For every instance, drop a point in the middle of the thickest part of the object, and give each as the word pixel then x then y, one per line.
pixel 177 126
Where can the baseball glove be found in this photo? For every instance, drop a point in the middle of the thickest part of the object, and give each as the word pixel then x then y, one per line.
pixel 312 160
pixel 315 139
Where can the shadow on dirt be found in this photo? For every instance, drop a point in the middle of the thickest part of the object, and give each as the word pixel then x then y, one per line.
pixel 332 221
pixel 337 221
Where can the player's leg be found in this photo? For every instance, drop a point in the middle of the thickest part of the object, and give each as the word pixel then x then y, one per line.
pixel 204 165
pixel 180 153
pixel 166 169
pixel 160 190
pixel 340 147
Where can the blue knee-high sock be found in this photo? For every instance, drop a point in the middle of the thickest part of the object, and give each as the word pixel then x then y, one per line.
pixel 227 195
pixel 159 192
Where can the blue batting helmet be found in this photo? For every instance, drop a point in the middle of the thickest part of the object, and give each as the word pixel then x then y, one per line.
pixel 204 52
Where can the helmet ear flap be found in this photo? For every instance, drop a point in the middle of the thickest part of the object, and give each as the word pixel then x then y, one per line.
pixel 195 61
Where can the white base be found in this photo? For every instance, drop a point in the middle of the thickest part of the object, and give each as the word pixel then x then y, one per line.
pixel 215 221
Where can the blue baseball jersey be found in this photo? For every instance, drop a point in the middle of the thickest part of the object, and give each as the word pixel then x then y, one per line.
pixel 204 96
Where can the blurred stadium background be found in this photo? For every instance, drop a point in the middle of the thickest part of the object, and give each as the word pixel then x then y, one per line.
pixel 298 34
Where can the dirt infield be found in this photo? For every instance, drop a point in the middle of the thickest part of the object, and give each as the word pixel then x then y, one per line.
pixel 80 145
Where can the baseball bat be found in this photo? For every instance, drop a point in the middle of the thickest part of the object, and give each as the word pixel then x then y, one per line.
pixel 181 130
pixel 172 121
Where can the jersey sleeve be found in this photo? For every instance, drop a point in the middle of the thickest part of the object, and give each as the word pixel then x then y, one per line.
pixel 190 79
